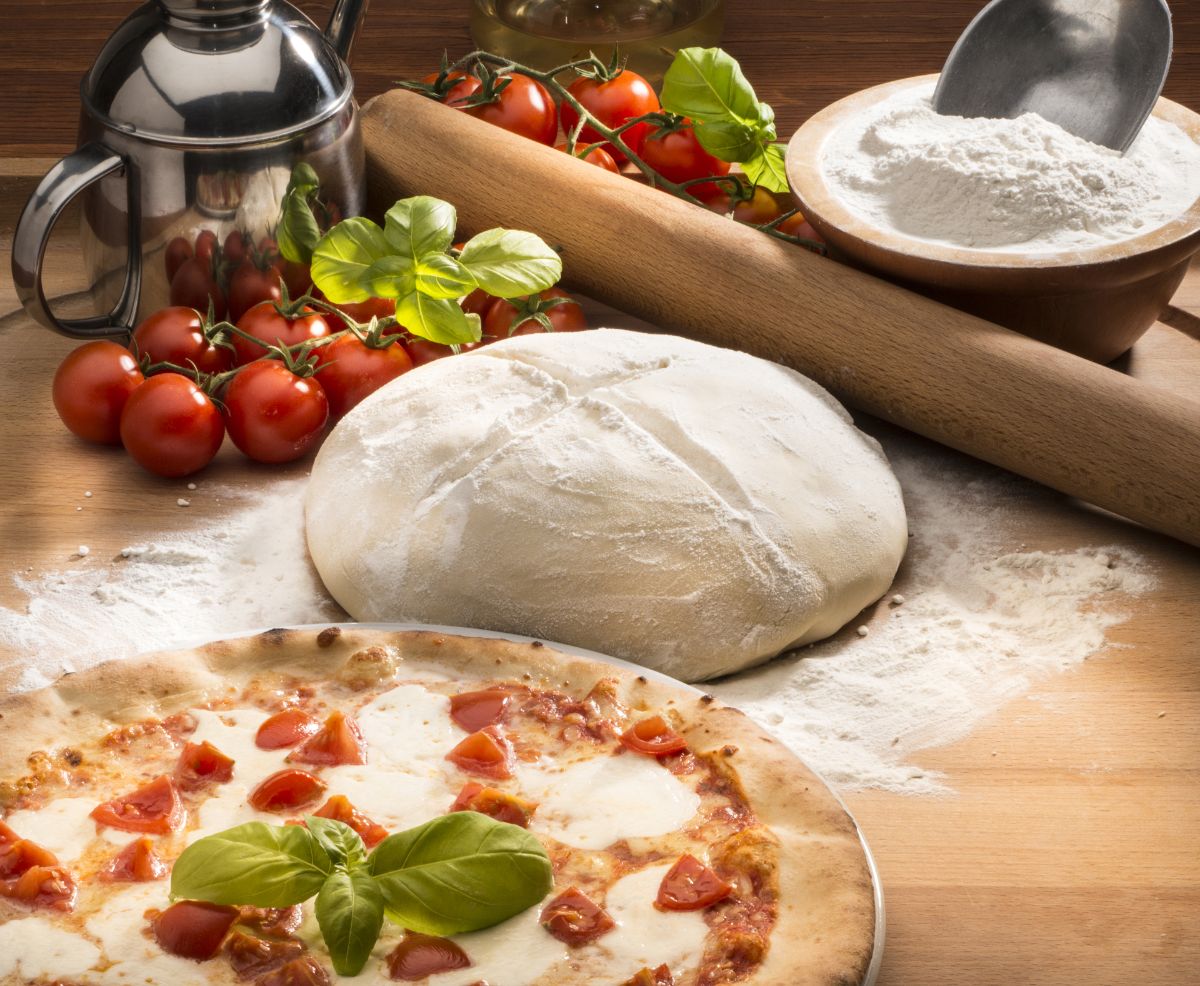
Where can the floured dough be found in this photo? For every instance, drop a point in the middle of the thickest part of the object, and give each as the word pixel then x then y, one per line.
pixel 693 509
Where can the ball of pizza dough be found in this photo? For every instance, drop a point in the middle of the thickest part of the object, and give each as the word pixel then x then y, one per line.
pixel 693 509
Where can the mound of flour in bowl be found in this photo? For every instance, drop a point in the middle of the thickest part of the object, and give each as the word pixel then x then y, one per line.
pixel 1023 185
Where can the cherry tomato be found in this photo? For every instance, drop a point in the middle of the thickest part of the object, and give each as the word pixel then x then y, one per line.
pixel 500 805
pixel 574 918
pixel 340 809
pixel 43 886
pixel 645 976
pixel 251 285
pixel 653 737
pixel 285 790
pixel 91 386
pixel 250 956
pixel 360 311
pixel 690 886
pixel 279 921
pixel 350 370
pixel 760 208
pixel 234 251
pixel 206 246
pixel 460 90
pixel 801 227
pixel 176 335
pixel 170 426
pixel 339 742
pixel 474 710
pixel 297 278
pixel 263 321
pixel 202 764
pixel 498 322
pixel 422 351
pixel 486 752
pixel 195 284
pixel 593 154
pixel 679 157
pixel 419 956
pixel 286 728
pixel 273 415
pixel 136 863
pixel 22 855
pixel 193 929
pixel 154 808
pixel 177 252
pixel 477 302
pixel 302 971
pixel 612 103
pixel 523 107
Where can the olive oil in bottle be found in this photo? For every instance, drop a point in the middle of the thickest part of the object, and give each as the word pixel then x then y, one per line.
pixel 545 33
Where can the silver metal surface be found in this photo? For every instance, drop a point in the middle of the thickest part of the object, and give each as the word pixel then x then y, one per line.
pixel 192 119
pixel 1094 67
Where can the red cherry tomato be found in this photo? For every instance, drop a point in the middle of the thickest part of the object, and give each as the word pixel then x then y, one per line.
pixel 499 321
pixel 612 103
pixel 801 227
pixel 574 918
pixel 653 737
pixel 422 351
pixel 251 285
pixel 297 278
pixel 91 387
pixel 22 855
pixel 136 863
pixel 193 929
pixel 360 311
pixel 524 107
pixel 234 251
pixel 474 710
pixel 593 154
pixel 263 321
pixel 206 245
pixel 350 370
pixel 250 956
pixel 500 805
pixel 170 426
pixel 463 86
pixel 43 886
pixel 286 728
pixel 690 886
pixel 338 742
pixel 477 302
pixel 340 809
pixel 486 752
pixel 195 285
pixel 760 208
pixel 154 808
pixel 176 253
pixel 679 157
pixel 285 790
pixel 420 956
pixel 278 921
pixel 176 335
pixel 272 414
pixel 201 764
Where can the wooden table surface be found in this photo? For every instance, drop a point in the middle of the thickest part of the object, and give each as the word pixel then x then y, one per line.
pixel 1069 852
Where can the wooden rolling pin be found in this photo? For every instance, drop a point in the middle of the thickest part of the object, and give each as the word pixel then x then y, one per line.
pixel 1073 425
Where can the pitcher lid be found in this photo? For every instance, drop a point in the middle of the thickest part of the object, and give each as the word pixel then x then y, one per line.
pixel 215 72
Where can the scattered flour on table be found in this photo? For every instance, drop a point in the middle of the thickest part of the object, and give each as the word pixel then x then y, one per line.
pixel 975 626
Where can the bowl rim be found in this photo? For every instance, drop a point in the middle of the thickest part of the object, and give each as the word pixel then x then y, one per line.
pixel 816 200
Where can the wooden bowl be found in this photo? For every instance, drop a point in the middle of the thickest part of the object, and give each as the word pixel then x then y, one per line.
pixel 1095 302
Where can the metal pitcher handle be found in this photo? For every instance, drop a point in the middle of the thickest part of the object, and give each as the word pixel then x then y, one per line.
pixel 62 183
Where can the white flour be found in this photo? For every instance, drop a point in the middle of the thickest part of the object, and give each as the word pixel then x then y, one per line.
pixel 1023 185
pixel 978 623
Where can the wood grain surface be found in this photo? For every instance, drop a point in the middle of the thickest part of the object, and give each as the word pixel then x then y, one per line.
pixel 1068 852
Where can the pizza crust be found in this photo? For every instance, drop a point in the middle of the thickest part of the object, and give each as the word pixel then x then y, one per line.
pixel 824 934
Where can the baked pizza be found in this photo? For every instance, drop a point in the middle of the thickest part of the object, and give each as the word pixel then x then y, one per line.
pixel 309 806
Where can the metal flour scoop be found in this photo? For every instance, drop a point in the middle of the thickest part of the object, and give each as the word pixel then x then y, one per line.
pixel 1094 67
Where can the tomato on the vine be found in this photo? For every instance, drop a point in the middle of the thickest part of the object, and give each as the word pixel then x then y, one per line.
pixel 177 252
pixel 515 318
pixel 612 103
pixel 195 285
pixel 422 351
pixel 170 426
pixel 234 251
pixel 464 85
pixel 360 311
pixel 177 335
pixel 266 322
pixel 206 245
pixel 349 370
pixel 760 207
pixel 252 284
pixel 678 156
pixel 592 154
pixel 523 106
pixel 91 388
pixel 797 225
pixel 273 414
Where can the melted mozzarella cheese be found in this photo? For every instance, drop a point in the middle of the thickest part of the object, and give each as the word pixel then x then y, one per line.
pixel 394 799
pixel 63 826
pixel 409 727
pixel 233 734
pixel 34 948
pixel 592 803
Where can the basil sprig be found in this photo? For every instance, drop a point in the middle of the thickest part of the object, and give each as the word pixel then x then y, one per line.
pixel 707 85
pixel 297 232
pixel 458 872
pixel 410 259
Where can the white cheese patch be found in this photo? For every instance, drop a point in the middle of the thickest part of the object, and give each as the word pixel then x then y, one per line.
pixel 394 799
pixel 63 827
pixel 593 803
pixel 646 936
pixel 410 728
pixel 136 958
pixel 233 734
pixel 34 948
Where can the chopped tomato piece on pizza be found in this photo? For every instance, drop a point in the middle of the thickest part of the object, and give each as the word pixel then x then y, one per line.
pixel 653 737
pixel 340 809
pixel 278 921
pixel 419 956
pixel 136 863
pixel 17 857
pixel 486 753
pixel 154 808
pixel 690 886
pixel 474 710
pixel 42 886
pixel 201 764
pixel 303 971
pixel 250 956
pixel 193 929
pixel 651 977
pixel 7 835
pixel 338 742
pixel 286 789
pixel 500 805
pixel 286 728
pixel 574 918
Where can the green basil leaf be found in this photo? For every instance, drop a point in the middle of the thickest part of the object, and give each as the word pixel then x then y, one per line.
pixel 441 276
pixel 511 262
pixel 419 226
pixel 460 872
pixel 350 913
pixel 297 232
pixel 767 169
pixel 707 85
pixel 729 140
pixel 344 255
pixel 254 864
pixel 341 843
pixel 390 277
pixel 438 319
